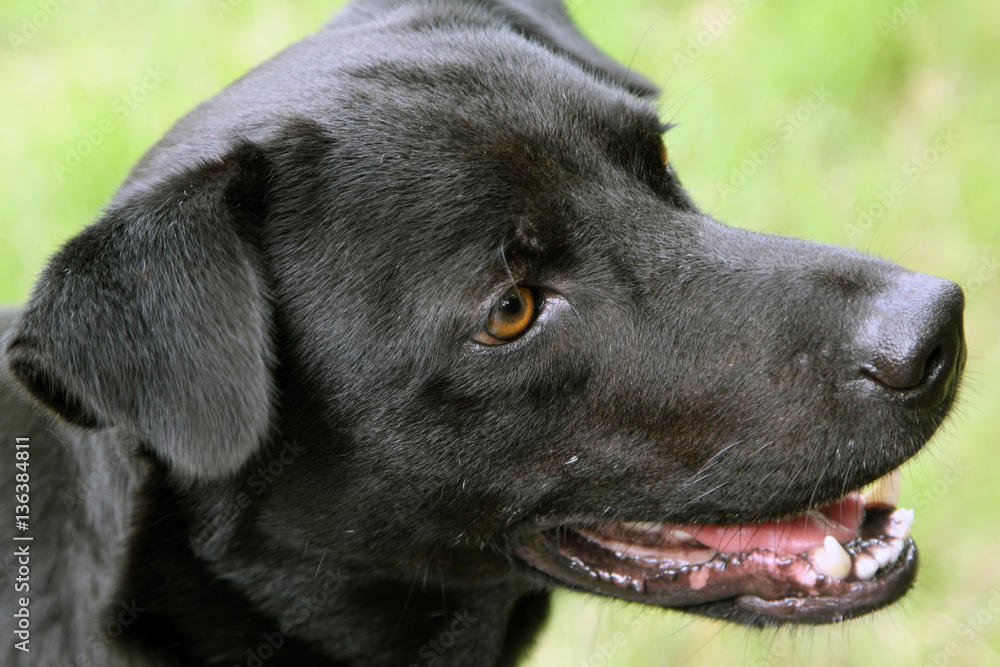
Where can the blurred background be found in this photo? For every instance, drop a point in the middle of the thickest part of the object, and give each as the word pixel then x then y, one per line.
pixel 870 125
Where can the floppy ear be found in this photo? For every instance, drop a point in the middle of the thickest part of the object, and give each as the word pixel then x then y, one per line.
pixel 156 319
pixel 547 21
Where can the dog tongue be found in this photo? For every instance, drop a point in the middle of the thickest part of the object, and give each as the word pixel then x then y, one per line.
pixel 802 533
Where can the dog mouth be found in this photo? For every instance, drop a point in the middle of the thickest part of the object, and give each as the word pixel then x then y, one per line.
pixel 822 566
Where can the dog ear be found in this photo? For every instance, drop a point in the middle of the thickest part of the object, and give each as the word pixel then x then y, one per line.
pixel 156 319
pixel 548 22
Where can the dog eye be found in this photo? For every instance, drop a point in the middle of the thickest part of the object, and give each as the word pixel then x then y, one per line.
pixel 664 153
pixel 510 316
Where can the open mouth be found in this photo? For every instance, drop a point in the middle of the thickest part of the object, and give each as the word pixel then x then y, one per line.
pixel 822 566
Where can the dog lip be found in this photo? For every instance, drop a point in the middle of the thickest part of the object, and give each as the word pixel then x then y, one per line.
pixel 673 569
pixel 853 601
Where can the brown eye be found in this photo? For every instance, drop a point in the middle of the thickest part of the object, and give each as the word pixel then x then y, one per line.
pixel 664 153
pixel 510 317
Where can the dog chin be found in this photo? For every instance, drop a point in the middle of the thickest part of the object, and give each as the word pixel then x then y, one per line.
pixel 824 565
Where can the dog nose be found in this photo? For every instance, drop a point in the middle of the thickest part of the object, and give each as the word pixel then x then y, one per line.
pixel 918 349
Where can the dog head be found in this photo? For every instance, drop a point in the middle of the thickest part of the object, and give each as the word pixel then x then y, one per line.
pixel 443 248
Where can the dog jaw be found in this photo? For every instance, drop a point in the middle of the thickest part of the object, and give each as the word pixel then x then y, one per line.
pixel 824 565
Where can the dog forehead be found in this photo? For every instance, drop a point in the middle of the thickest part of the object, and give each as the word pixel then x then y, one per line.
pixel 446 143
pixel 475 86
pixel 481 124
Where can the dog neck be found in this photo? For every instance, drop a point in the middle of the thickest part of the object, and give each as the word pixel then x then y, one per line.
pixel 275 607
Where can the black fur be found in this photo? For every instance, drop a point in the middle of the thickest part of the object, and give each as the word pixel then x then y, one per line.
pixel 276 423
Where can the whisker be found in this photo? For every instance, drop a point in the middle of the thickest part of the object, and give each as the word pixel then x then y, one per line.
pixel 708 463
pixel 700 496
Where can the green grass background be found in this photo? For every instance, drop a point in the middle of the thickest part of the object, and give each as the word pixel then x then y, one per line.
pixel 893 79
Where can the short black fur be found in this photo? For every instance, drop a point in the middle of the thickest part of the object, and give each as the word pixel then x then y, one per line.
pixel 276 419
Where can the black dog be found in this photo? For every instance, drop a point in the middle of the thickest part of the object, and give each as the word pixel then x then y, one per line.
pixel 414 323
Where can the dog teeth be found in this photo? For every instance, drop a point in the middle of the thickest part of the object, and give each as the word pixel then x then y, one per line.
pixel 865 567
pixel 900 522
pixel 832 559
pixel 885 490
pixel 882 555
pixel 643 526
pixel 896 550
pixel 904 518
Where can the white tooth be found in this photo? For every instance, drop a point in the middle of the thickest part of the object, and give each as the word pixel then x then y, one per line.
pixel 643 526
pixel 882 555
pixel 904 516
pixel 865 567
pixel 831 559
pixel 683 535
pixel 897 549
pixel 885 490
pixel 899 523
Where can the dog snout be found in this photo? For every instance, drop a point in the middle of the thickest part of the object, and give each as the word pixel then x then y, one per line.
pixel 916 348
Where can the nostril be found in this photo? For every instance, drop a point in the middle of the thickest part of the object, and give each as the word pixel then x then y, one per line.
pixel 934 362
pixel 902 364
pixel 918 347
pixel 911 376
